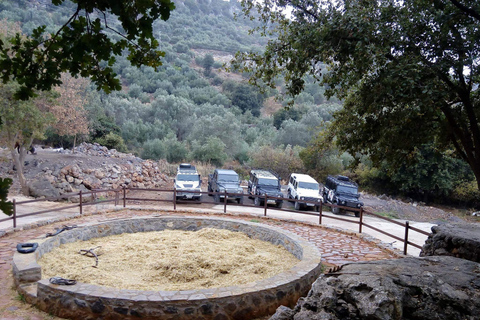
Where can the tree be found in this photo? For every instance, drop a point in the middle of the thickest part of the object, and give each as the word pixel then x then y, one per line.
pixel 82 46
pixel 68 109
pixel 207 64
pixel 21 122
pixel 408 71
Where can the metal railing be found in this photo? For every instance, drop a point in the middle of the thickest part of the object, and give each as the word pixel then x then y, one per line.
pixel 83 201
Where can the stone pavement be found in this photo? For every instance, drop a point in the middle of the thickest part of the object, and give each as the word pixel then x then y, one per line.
pixel 336 247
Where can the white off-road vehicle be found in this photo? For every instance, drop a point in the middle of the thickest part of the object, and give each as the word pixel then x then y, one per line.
pixel 304 190
pixel 187 179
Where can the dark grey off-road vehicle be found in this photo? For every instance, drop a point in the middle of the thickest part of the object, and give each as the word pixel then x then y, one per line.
pixel 263 183
pixel 340 190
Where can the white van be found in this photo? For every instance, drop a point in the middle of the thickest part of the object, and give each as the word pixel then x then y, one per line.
pixel 304 188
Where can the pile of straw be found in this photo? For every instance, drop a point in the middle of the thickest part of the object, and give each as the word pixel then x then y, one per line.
pixel 169 260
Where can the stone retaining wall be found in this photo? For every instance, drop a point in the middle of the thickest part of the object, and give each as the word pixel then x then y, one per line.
pixel 456 240
pixel 249 301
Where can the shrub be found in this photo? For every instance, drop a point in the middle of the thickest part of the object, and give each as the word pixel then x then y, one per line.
pixel 153 149
pixel 112 141
pixel 467 193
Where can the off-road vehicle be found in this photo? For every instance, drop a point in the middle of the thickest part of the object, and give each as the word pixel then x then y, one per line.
pixel 304 188
pixel 263 183
pixel 222 181
pixel 340 190
pixel 187 179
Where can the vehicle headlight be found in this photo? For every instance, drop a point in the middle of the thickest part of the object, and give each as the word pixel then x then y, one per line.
pixel 302 198
pixel 344 202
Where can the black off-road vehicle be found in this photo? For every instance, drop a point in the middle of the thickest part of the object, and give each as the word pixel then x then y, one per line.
pixel 225 181
pixel 263 183
pixel 340 190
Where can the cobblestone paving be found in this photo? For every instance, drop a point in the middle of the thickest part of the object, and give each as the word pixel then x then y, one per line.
pixel 337 248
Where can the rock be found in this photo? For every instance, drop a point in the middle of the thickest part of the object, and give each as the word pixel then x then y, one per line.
pixel 457 240
pixel 441 288
pixel 92 183
pixel 43 188
pixel 99 174
pixel 283 313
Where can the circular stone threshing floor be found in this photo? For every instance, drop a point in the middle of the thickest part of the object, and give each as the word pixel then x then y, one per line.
pixel 169 260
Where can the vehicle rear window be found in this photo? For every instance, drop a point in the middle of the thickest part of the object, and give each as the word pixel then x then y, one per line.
pixel 228 177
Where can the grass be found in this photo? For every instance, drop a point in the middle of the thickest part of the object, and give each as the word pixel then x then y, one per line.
pixel 255 220
pixel 388 214
pixel 20 297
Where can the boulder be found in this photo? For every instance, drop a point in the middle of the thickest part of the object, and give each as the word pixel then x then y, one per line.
pixel 43 188
pixel 443 288
pixel 457 240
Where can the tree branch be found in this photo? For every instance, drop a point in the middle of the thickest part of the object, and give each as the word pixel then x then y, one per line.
pixel 469 11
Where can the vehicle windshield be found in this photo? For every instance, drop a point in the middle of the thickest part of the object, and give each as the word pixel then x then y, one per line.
pixel 227 178
pixel 347 189
pixel 268 182
pixel 188 177
pixel 308 185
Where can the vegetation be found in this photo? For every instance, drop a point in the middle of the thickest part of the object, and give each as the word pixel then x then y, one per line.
pixel 407 72
pixel 188 109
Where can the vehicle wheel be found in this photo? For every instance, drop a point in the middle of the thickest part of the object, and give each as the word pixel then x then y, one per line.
pixel 357 214
pixel 199 198
pixel 216 198
pixel 290 196
pixel 335 210
pixel 240 200
pixel 317 208
pixel 257 201
pixel 279 205
pixel 297 205
pixel 209 190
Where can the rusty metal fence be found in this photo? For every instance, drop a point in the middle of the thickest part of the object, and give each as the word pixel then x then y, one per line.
pixel 116 195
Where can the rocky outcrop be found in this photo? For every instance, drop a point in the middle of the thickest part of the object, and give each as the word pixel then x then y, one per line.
pixel 409 288
pixel 456 240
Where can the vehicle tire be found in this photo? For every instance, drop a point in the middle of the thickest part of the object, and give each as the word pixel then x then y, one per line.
pixel 28 247
pixel 357 214
pixel 279 205
pixel 240 200
pixel 335 210
pixel 209 190
pixel 317 208
pixel 298 205
pixel 257 201
pixel 216 198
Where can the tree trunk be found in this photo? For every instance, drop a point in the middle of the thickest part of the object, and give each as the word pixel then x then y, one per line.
pixel 74 142
pixel 18 159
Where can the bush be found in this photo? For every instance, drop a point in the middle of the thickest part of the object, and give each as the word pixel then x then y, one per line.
pixel 153 149
pixel 467 193
pixel 279 160
pixel 212 151
pixel 112 141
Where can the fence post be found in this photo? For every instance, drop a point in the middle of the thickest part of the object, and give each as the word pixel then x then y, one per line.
pixel 124 197
pixel 80 199
pixel 225 201
pixel 174 199
pixel 320 212
pixel 405 244
pixel 361 220
pixel 14 213
pixel 265 205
